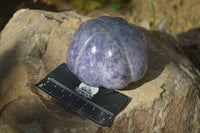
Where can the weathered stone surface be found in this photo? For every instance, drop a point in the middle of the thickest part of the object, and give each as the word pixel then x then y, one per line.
pixel 35 42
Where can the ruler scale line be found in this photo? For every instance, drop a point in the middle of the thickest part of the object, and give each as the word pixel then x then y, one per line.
pixel 95 105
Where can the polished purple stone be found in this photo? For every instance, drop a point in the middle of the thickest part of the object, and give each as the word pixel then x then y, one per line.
pixel 108 52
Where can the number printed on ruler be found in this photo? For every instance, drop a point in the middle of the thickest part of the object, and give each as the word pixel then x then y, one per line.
pixel 76 101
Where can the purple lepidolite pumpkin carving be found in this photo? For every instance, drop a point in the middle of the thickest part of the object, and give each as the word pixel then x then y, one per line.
pixel 108 52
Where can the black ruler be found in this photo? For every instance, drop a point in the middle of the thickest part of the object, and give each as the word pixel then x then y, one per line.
pixel 98 104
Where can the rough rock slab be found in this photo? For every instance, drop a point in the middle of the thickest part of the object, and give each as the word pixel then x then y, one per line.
pixel 35 42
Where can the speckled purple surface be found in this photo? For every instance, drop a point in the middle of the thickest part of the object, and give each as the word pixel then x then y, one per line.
pixel 108 52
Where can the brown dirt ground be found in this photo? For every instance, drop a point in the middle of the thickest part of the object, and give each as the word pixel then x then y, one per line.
pixel 172 16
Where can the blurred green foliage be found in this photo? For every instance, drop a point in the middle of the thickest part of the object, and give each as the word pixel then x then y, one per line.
pixel 152 15
pixel 93 4
pixel 87 4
